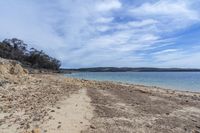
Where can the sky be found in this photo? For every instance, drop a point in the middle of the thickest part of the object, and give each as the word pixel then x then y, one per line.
pixel 110 33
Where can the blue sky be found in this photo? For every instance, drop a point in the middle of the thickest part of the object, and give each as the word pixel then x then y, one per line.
pixel 90 33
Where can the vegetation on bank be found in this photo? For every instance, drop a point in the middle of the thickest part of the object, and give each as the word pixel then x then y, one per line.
pixel 16 49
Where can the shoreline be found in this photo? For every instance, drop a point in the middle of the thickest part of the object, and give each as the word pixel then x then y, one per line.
pixel 41 100
pixel 136 84
pixel 145 87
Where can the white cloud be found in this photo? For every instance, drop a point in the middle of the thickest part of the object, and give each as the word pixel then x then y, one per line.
pixel 107 5
pixel 177 58
pixel 104 20
pixel 175 14
pixel 89 33
pixel 142 23
pixel 175 8
pixel 136 24
pixel 166 51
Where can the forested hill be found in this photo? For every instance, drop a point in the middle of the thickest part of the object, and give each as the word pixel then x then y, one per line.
pixel 128 69
pixel 16 49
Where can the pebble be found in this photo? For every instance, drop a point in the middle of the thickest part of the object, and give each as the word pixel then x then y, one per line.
pixel 52 110
pixel 194 120
pixel 92 126
pixel 195 131
pixel 167 113
pixel 36 131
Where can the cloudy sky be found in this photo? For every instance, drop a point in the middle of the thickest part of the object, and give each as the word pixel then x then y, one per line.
pixel 90 33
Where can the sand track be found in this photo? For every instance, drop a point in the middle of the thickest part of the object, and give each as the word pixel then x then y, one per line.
pixel 71 115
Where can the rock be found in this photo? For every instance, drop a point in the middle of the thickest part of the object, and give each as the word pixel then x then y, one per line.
pixel 167 113
pixel 50 117
pixel 36 119
pixel 195 131
pixel 198 126
pixel 27 126
pixel 37 130
pixel 59 126
pixel 3 96
pixel 22 123
pixel 92 126
pixel 194 120
pixel 2 83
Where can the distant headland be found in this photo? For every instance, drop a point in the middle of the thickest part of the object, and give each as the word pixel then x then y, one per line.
pixel 129 69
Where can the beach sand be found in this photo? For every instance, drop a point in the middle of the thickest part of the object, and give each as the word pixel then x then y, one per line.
pixel 51 103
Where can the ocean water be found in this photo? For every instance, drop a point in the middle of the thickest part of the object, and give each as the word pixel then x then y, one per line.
pixel 186 81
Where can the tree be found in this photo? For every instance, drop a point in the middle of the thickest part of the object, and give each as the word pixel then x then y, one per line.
pixel 16 49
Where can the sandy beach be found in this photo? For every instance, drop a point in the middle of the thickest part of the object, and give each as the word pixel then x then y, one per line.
pixel 52 103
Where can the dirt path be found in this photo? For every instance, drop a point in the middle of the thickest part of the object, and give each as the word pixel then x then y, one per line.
pixel 71 115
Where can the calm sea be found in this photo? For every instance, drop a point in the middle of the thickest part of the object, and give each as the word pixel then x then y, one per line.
pixel 187 81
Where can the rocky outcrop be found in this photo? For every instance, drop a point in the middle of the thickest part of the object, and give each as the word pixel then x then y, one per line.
pixel 11 67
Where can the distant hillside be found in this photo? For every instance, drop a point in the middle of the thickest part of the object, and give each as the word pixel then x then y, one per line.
pixel 128 69
pixel 16 49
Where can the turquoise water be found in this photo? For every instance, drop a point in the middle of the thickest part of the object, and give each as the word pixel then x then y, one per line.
pixel 186 81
